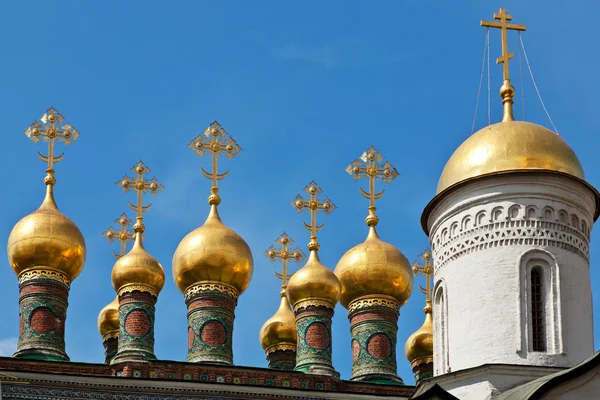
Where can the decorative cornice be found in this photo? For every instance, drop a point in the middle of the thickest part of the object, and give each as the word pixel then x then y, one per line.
pixel 421 360
pixel 110 335
pixel 130 288
pixel 29 274
pixel 313 302
pixel 374 301
pixel 280 347
pixel 209 286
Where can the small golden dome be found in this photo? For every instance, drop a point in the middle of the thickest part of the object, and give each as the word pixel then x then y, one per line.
pixel 108 319
pixel 46 240
pixel 509 146
pixel 280 328
pixel 419 346
pixel 213 253
pixel 313 281
pixel 374 268
pixel 138 268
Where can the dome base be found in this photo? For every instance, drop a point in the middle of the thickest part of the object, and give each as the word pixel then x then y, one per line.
pixel 282 359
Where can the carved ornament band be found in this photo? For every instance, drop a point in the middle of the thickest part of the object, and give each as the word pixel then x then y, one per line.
pixel 313 302
pixel 139 288
pixel 211 287
pixel 44 273
pixel 280 347
pixel 421 360
pixel 110 335
pixel 374 301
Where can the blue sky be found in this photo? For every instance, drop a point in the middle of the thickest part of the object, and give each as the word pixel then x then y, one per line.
pixel 303 89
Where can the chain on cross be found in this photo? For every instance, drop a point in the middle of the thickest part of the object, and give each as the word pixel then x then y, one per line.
pixel 369 166
pixel 141 185
pixel 122 234
pixel 217 142
pixel 50 130
pixel 284 254
pixel 313 205
pixel 425 269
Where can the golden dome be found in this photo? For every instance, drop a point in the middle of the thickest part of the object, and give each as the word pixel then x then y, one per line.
pixel 213 253
pixel 108 319
pixel 374 268
pixel 419 346
pixel 509 146
pixel 138 268
pixel 313 281
pixel 280 328
pixel 46 240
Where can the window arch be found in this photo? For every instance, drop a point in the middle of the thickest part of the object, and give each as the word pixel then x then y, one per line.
pixel 539 303
pixel 440 329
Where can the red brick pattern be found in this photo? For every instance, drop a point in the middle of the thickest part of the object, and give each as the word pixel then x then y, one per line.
pixel 213 333
pixel 43 320
pixel 379 346
pixel 226 303
pixel 48 287
pixel 355 350
pixel 373 315
pixel 137 323
pixel 317 336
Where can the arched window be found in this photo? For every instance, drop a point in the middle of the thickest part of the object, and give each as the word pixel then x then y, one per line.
pixel 538 323
pixel 440 330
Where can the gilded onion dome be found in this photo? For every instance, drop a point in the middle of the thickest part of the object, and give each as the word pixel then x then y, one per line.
pixel 108 320
pixel 313 282
pixel 138 270
pixel 419 346
pixel 374 267
pixel 279 332
pixel 46 240
pixel 213 253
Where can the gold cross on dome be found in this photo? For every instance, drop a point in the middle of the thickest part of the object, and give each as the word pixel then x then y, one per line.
pixel 426 269
pixel 50 130
pixel 313 205
pixel 123 234
pixel 370 167
pixel 504 26
pixel 141 185
pixel 217 142
pixel 284 254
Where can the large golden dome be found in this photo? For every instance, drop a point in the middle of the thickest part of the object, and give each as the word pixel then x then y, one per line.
pixel 213 253
pixel 313 281
pixel 419 346
pixel 374 268
pixel 108 319
pixel 46 240
pixel 280 329
pixel 509 146
pixel 138 268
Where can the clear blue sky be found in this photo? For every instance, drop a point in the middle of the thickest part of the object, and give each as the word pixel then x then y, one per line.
pixel 303 89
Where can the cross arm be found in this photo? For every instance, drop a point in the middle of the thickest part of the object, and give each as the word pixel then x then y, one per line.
pixel 493 24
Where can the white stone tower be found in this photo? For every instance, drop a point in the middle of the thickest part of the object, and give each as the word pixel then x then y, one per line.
pixel 509 230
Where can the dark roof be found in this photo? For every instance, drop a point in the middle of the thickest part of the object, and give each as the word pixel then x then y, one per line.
pixel 538 387
pixel 430 391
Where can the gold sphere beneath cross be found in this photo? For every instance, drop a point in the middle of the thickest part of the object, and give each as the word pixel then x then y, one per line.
pixel 374 267
pixel 213 253
pixel 280 328
pixel 108 319
pixel 510 146
pixel 138 268
pixel 313 281
pixel 419 346
pixel 47 240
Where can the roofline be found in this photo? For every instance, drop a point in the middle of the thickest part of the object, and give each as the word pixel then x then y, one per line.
pixel 444 193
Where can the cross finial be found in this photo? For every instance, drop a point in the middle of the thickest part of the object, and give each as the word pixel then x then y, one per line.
pixel 313 205
pixel 141 185
pixel 50 130
pixel 370 166
pixel 217 142
pixel 123 234
pixel 507 91
pixel 426 269
pixel 284 254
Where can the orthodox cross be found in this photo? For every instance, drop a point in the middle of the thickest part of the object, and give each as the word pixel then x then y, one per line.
pixel 369 166
pixel 141 185
pixel 284 254
pixel 503 25
pixel 50 130
pixel 123 235
pixel 313 205
pixel 425 269
pixel 217 142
